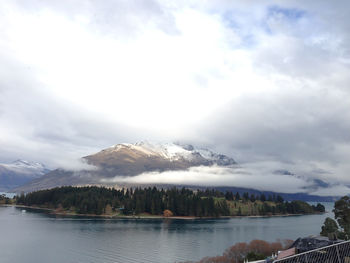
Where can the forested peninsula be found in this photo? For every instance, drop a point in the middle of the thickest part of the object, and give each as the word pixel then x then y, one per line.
pixel 172 202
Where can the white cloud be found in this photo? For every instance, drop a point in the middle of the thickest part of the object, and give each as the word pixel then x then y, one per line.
pixel 258 81
pixel 221 176
pixel 76 165
pixel 336 190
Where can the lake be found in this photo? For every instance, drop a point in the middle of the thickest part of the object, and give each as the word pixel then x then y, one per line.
pixel 34 237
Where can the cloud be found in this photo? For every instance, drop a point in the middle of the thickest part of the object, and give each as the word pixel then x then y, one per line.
pixel 76 165
pixel 336 190
pixel 261 176
pixel 220 176
pixel 262 82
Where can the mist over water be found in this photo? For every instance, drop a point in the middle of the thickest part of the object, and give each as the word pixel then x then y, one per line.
pixel 36 237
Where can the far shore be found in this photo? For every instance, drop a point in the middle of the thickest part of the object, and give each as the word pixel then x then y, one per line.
pixel 143 216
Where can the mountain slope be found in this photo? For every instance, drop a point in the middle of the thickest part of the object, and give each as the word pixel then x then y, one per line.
pixel 130 160
pixel 19 172
pixel 134 159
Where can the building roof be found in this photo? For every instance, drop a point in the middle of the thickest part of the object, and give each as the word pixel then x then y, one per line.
pixel 312 242
pixel 286 253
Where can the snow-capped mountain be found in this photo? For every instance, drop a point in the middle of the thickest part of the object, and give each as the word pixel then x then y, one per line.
pixel 130 160
pixel 19 172
pixel 172 152
pixel 133 159
pixel 26 167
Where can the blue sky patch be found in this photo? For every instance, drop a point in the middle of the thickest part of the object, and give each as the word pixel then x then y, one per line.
pixel 248 39
pixel 288 13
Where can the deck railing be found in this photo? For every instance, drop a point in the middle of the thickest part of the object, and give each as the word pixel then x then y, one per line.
pixel 336 253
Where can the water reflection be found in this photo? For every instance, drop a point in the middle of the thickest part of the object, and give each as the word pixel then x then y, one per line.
pixel 38 237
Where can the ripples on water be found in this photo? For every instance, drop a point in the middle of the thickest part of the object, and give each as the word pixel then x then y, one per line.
pixel 34 237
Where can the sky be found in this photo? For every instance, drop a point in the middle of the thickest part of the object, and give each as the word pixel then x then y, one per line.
pixel 265 82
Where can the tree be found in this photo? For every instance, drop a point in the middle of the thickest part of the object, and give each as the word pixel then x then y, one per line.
pixel 237 252
pixel 279 199
pixel 255 250
pixel 320 208
pixel 252 198
pixel 237 196
pixel 253 256
pixel 167 213
pixel 342 214
pixel 229 195
pixel 329 227
pixel 246 196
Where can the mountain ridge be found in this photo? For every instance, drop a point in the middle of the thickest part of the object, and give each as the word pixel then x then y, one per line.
pixel 130 160
pixel 115 163
pixel 20 172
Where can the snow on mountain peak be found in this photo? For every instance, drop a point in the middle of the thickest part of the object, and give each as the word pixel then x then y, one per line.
pixel 28 164
pixel 26 167
pixel 175 151
pixel 170 151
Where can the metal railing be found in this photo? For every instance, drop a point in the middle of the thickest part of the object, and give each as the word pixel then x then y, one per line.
pixel 337 253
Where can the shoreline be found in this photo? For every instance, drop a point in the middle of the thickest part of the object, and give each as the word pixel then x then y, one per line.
pixel 118 216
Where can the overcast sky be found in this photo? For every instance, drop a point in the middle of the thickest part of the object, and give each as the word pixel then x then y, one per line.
pixel 266 82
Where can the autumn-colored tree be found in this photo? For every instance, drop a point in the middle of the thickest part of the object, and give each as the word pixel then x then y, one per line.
pixel 217 259
pixel 278 246
pixel 237 252
pixel 256 249
pixel 167 213
pixel 259 246
pixel 108 209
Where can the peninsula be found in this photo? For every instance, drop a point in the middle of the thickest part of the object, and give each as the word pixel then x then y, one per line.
pixel 154 202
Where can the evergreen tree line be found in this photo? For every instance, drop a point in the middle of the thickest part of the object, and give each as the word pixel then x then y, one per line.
pixel 250 197
pixel 181 202
pixel 94 200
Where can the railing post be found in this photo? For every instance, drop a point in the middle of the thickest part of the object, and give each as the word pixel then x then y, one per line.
pixel 336 248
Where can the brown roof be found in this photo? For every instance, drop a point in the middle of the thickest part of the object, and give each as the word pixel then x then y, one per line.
pixel 286 253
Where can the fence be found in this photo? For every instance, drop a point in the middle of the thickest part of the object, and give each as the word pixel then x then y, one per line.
pixel 337 253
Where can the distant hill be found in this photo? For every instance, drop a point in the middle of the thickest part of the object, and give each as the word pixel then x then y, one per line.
pixel 19 172
pixel 241 190
pixel 286 196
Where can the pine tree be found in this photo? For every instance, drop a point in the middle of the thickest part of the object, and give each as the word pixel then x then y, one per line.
pixel 237 197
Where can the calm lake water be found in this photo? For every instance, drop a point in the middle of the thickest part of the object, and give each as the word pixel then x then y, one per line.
pixel 34 237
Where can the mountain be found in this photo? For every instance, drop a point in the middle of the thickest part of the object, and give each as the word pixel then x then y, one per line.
pixel 125 159
pixel 19 172
pixel 133 159
pixel 314 183
pixel 129 160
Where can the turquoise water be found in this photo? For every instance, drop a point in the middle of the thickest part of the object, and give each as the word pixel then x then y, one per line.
pixel 34 237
